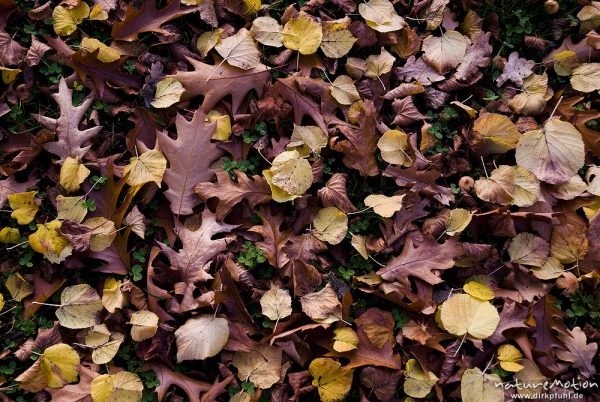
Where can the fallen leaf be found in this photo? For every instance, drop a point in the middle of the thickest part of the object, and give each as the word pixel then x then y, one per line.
pixel 79 307
pixel 168 93
pixel 330 225
pixel 122 386
pixel 383 205
pixel 463 314
pixel 239 50
pixel 331 380
pixel 302 33
pixel 213 332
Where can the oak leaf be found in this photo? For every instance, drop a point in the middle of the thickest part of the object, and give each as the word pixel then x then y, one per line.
pixel 515 70
pixel 579 351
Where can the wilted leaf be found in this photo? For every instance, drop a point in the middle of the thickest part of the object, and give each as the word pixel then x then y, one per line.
pixel 262 365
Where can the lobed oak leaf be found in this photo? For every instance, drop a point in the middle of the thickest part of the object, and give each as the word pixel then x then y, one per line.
pixel 190 156
pixel 302 105
pixel 421 261
pixel 515 70
pixel 417 70
pixel 167 377
pixel 71 140
pixel 147 19
pixel 579 351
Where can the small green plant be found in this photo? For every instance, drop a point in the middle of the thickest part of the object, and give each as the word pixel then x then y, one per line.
pixel 251 256
pixel 400 317
pixel 52 71
pixel 249 165
pixel 89 204
pixel 356 265
pixel 583 307
pixel 98 181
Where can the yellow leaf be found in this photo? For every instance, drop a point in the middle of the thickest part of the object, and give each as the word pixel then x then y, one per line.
pixel 307 140
pixel 48 241
pixel 330 225
pixel 457 221
pixel 551 269
pixel 9 74
pixel 105 344
pixel 18 287
pixel 337 38
pixel 208 40
pixel 24 207
pixel 478 290
pixel 223 129
pixel 239 50
pixel 589 17
pixel 360 244
pixel 276 303
pixel 103 233
pixel 112 295
pixel 344 340
pixel 201 337
pixel 105 54
pixel 393 145
pixel 291 172
pixel 510 357
pixel 98 14
pixel 383 205
pixel 331 380
pixel 122 386
pixel 57 366
pixel 66 19
pixel 144 325
pixel 381 16
pixel 445 52
pixel 148 167
pixel 168 92
pixel 277 193
pixel 344 91
pixel 476 386
pixel 554 154
pixel 72 174
pixel 9 235
pixel 532 100
pixel 251 7
pixel 564 62
pixel 79 306
pixel 261 365
pixel 267 31
pixel 71 208
pixel 418 382
pixel 586 77
pixel 302 33
pixel 498 132
pixel 377 65
pixel 463 314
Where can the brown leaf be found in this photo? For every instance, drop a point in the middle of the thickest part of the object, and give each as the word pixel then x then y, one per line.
pixel 167 377
pixel 273 238
pixel 420 262
pixel 190 157
pixel 334 193
pixel 230 192
pixel 11 52
pixel 36 51
pixel 147 19
pixel 579 352
pixel 80 392
pixel 380 381
pixel 302 105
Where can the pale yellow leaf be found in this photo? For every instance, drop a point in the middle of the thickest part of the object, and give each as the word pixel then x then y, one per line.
pixel 307 140
pixel 276 303
pixel 71 208
pixel 337 38
pixel 418 382
pixel 48 241
pixel 168 92
pixel 79 306
pixel 464 314
pixel 291 172
pixel 72 174
pixel 144 325
pixel 112 295
pixel 532 100
pixel 277 193
pixel 476 386
pixel 103 232
pixel 266 30
pixel 239 50
pixel 381 15
pixel 208 40
pixel 119 387
pixel 457 221
pixel 223 129
pixel 445 52
pixel 478 290
pixel 9 235
pixel 510 357
pixel 330 225
pixel 262 365
pixel 18 286
pixel 383 205
pixel 201 337
pixel 586 77
pixel 344 91
pixel 377 65
pixel 498 132
pixel 148 167
pixel 360 244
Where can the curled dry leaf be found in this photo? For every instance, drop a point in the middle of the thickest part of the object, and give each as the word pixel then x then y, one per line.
pixel 262 365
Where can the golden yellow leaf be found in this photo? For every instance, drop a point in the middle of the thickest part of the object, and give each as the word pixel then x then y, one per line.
pixel 331 380
pixel 105 54
pixel 457 221
pixel 112 295
pixel 148 167
pixel 66 19
pixel 383 205
pixel 239 50
pixel 223 129
pixel 168 92
pixel 24 207
pixel 276 303
pixel 393 145
pixel 71 208
pixel 586 77
pixel 344 340
pixel 476 386
pixel 79 306
pixel 18 286
pixel 564 62
pixel 122 386
pixel 302 33
pixel 418 382
pixel 291 172
pixel 57 366
pixel 261 365
pixel 98 14
pixel 307 140
pixel 498 132
pixel 330 225
pixel 266 30
pixel 144 325
pixel 103 232
pixel 9 74
pixel 277 193
pixel 9 235
pixel 445 52
pixel 463 314
pixel 344 91
pixel 553 154
pixel 251 7
pixel 48 241
pixel 337 38
pixel 532 100
pixel 208 40
pixel 478 290
pixel 510 357
pixel 381 16
pixel 72 174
